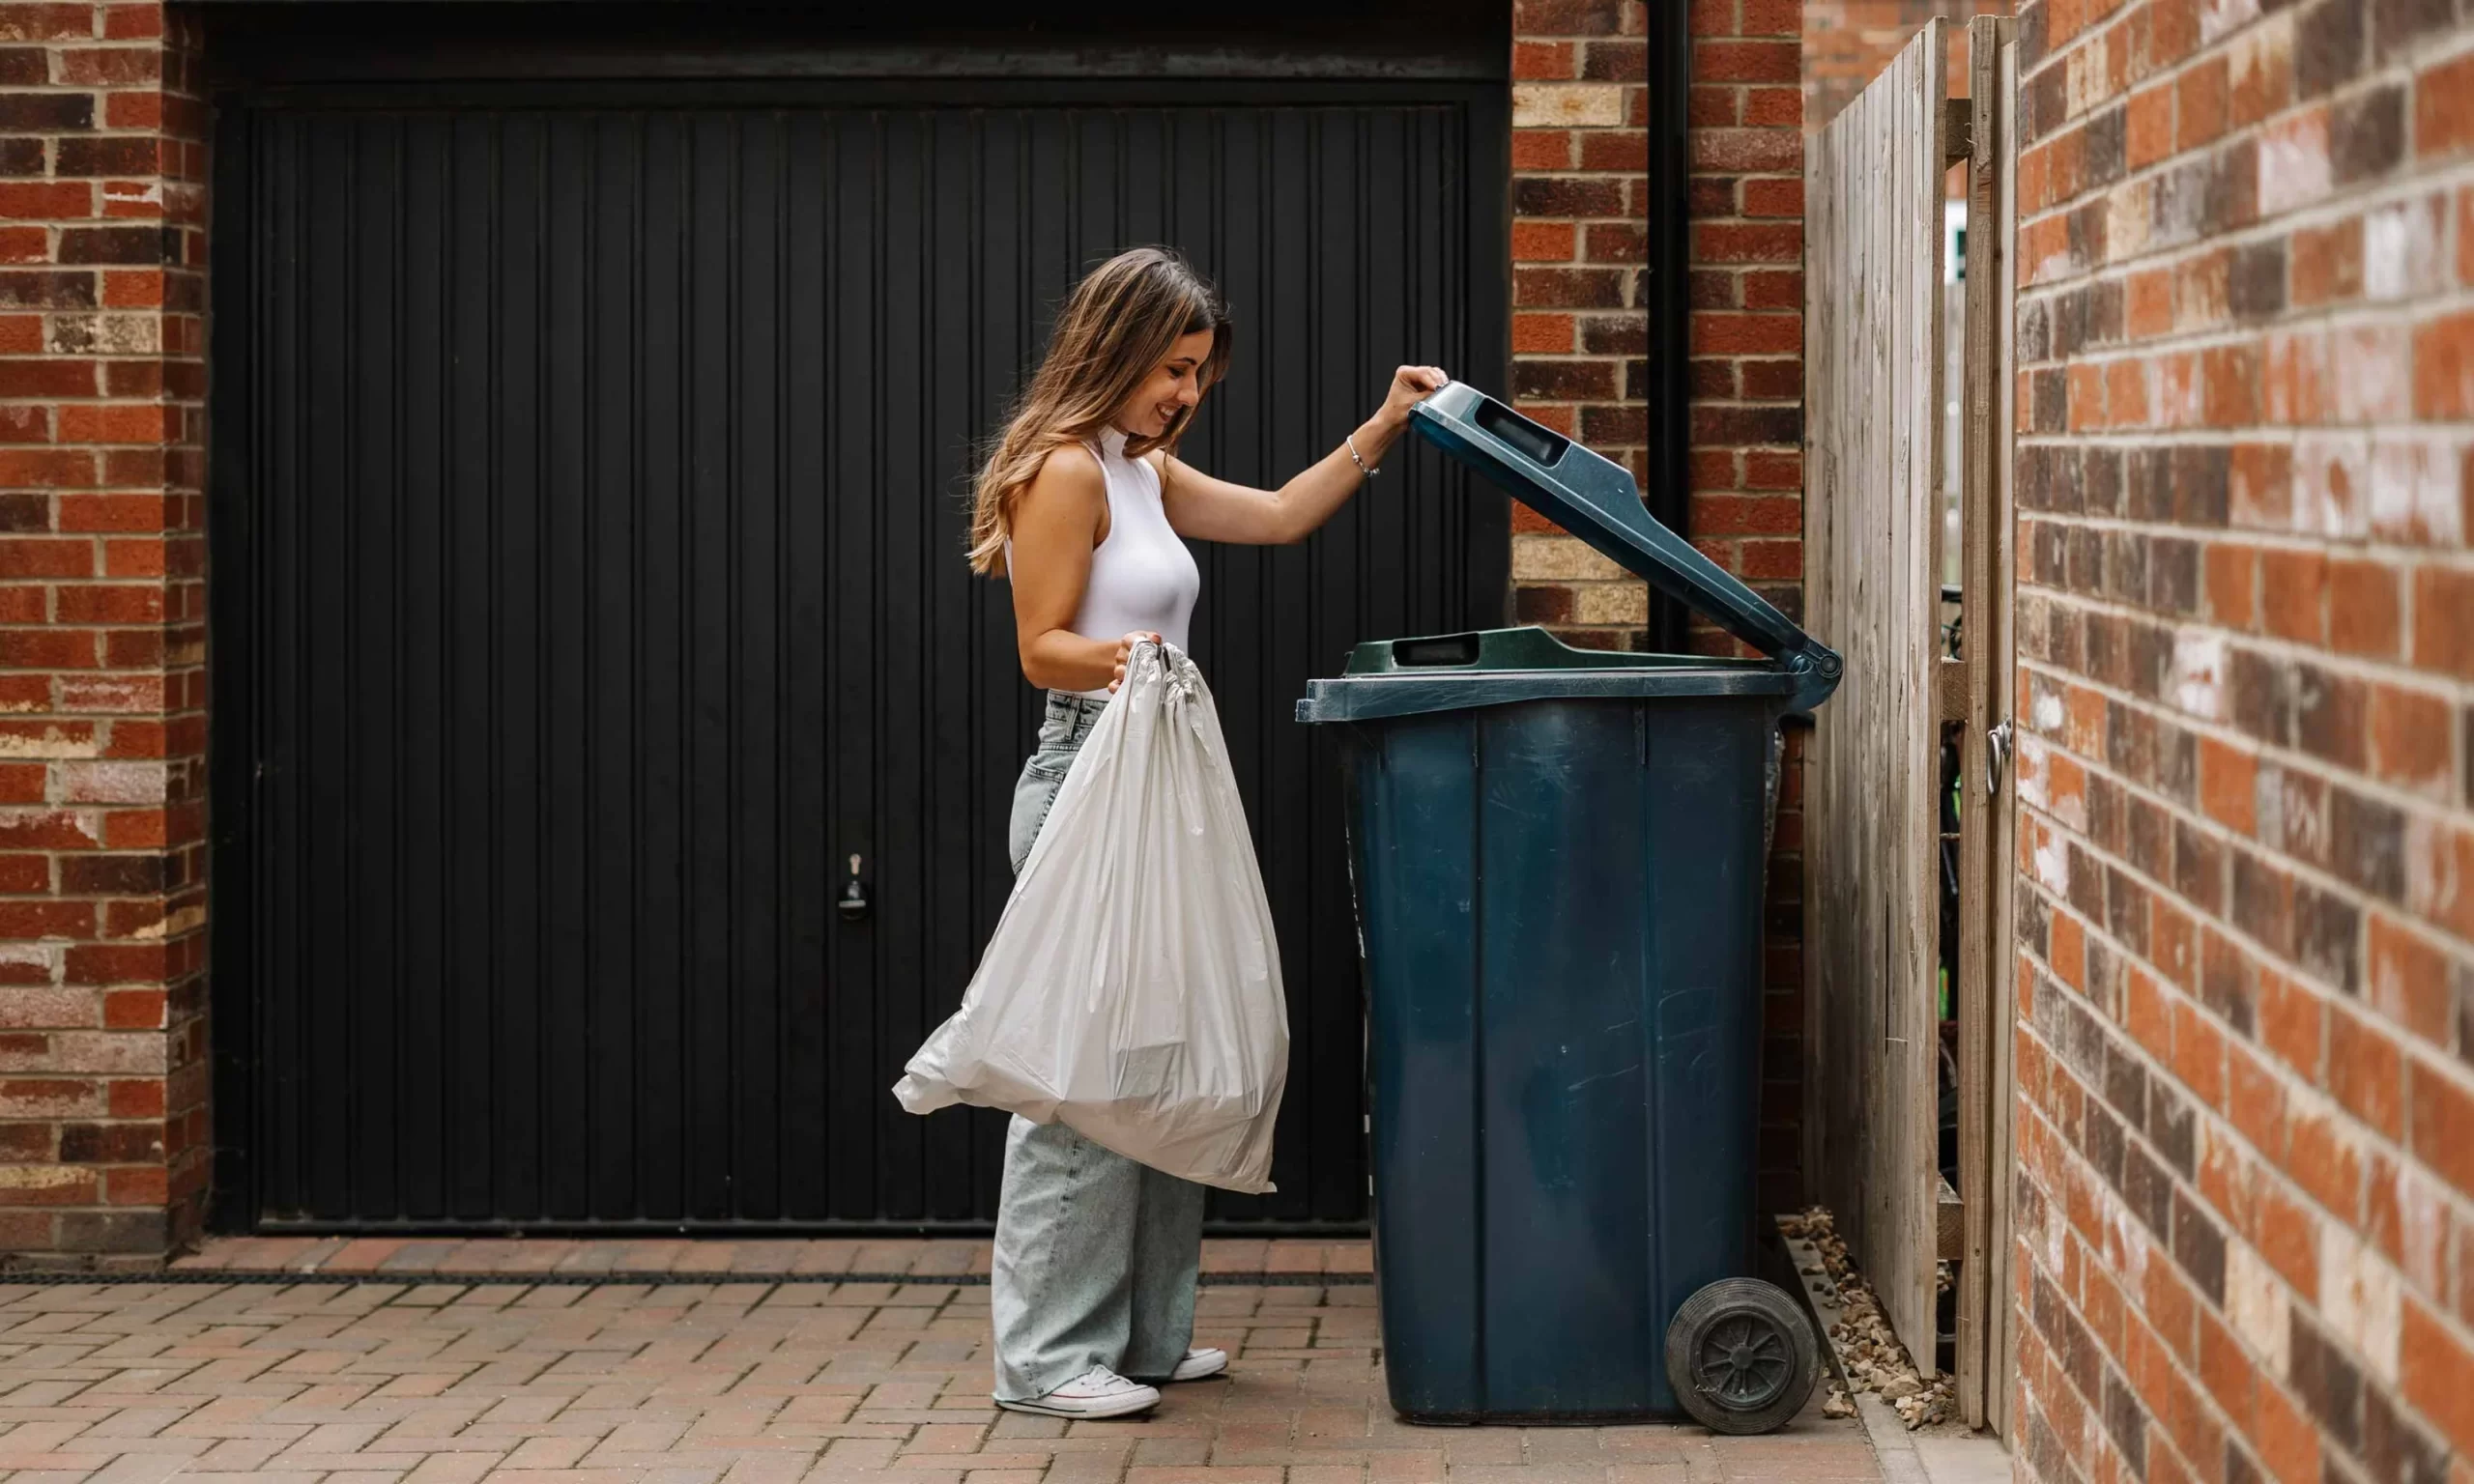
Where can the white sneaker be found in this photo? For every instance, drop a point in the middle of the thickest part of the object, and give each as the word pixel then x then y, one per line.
pixel 1200 1362
pixel 1098 1392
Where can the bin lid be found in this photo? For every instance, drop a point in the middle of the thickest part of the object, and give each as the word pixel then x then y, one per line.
pixel 1594 498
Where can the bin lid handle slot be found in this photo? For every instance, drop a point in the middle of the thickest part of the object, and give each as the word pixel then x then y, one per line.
pixel 1594 498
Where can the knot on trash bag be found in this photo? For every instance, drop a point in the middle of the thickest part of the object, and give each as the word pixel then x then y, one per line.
pixel 1179 679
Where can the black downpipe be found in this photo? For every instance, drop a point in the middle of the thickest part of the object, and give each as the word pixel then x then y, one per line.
pixel 1666 300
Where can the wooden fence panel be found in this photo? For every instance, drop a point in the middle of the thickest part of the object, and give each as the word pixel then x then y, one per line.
pixel 1872 327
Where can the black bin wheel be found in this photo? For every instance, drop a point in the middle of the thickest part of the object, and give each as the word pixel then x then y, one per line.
pixel 1742 1357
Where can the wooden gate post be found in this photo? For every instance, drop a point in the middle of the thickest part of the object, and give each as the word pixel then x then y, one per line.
pixel 1986 811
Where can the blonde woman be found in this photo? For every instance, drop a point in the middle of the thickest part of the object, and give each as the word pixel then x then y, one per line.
pixel 1085 506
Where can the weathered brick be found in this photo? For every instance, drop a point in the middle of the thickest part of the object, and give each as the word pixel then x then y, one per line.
pixel 2366 135
pixel 128 465
pixel 2445 107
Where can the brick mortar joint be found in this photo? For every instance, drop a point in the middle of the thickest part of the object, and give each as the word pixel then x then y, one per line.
pixel 2318 879
pixel 2438 48
pixel 2073 1153
pixel 2155 1434
pixel 2423 180
pixel 2332 318
pixel 2402 71
pixel 2259 1164
pixel 2166 439
pixel 2409 1044
pixel 2405 560
pixel 2290 758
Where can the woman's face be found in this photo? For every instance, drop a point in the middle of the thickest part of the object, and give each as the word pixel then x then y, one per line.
pixel 1173 385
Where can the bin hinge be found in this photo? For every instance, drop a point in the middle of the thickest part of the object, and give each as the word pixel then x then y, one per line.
pixel 1817 668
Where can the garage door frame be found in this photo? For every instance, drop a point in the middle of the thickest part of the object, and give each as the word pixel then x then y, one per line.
pixel 237 1204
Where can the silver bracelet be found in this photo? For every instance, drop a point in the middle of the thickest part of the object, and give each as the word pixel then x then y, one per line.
pixel 1362 466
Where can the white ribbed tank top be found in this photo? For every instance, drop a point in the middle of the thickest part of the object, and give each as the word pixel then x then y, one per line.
pixel 1144 579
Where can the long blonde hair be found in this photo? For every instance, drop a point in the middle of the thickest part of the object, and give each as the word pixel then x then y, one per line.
pixel 1116 327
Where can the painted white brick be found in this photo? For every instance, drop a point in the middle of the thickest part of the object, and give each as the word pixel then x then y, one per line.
pixel 2401 249
pixel 2293 154
pixel 2084 76
pixel 1611 603
pixel 51 742
pixel 2361 1296
pixel 2331 484
pixel 22 955
pixel 2127 215
pixel 1566 106
pixel 110 783
pixel 2433 882
pixel 2422 1219
pixel 2373 373
pixel 2257 1304
pixel 1560 558
pixel 2219 18
pixel 2052 871
pixel 33 1178
pixel 2415 488
pixel 2199 673
pixel 125 1053
pixel 2031 768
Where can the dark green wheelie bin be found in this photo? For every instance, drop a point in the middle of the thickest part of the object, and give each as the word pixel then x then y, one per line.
pixel 1557 860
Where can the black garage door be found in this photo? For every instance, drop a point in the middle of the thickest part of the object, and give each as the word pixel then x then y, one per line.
pixel 588 533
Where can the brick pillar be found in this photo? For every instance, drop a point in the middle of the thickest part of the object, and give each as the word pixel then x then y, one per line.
pixel 102 724
pixel 1580 323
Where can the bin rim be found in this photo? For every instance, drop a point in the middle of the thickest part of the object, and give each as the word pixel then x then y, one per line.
pixel 1593 497
pixel 1370 697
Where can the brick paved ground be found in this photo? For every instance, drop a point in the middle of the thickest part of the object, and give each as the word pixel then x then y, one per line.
pixel 807 1383
pixel 456 1257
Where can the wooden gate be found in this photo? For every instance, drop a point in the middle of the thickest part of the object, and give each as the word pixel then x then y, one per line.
pixel 1873 372
pixel 1875 341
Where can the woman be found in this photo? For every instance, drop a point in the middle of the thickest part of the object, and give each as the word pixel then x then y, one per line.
pixel 1082 504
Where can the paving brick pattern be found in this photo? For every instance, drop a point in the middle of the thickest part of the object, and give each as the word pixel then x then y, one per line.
pixel 455 1257
pixel 688 1383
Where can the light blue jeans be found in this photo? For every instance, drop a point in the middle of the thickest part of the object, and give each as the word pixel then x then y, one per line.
pixel 1096 1255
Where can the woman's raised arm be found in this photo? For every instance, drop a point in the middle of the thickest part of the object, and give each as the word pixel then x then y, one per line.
pixel 1208 509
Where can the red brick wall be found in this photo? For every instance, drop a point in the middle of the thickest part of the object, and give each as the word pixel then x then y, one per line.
pixel 1746 196
pixel 2245 1231
pixel 102 736
pixel 1581 193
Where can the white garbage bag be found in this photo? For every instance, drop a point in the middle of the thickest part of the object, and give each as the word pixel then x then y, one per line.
pixel 1132 990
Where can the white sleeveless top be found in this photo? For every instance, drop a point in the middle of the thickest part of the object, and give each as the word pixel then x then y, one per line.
pixel 1144 579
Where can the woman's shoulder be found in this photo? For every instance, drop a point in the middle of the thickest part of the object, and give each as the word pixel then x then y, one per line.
pixel 1068 474
pixel 1071 461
